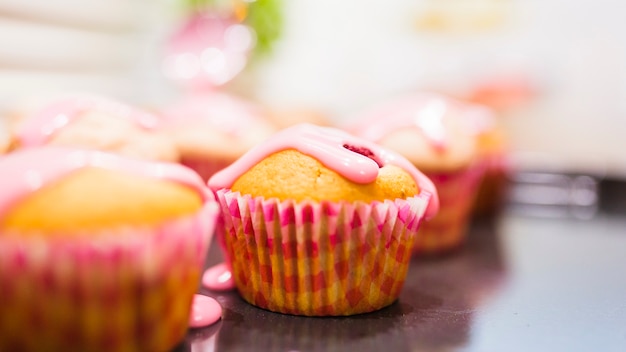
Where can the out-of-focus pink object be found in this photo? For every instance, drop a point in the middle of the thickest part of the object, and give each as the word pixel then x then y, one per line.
pixel 205 311
pixel 207 51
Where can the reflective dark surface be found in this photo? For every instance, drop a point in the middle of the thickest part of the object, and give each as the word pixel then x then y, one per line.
pixel 519 284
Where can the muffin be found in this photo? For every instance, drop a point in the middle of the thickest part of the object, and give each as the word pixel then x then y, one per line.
pixel 212 130
pixel 431 131
pixel 98 252
pixel 320 223
pixel 91 122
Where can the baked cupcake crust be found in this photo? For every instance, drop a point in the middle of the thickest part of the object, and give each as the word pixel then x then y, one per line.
pixel 96 198
pixel 290 174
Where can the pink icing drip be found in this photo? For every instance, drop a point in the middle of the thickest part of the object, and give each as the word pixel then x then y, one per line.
pixel 38 128
pixel 218 278
pixel 28 170
pixel 425 111
pixel 204 311
pixel 327 145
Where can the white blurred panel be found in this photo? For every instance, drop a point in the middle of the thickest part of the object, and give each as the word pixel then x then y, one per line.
pixel 40 45
pixel 107 15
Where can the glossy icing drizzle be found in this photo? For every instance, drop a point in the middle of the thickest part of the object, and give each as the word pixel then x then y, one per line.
pixel 327 145
pixel 37 129
pixel 28 170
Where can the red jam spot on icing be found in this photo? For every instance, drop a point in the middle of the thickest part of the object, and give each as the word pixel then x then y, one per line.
pixel 205 311
pixel 363 151
pixel 37 129
pixel 28 170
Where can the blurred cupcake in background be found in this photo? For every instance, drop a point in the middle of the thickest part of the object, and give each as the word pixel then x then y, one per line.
pixel 91 122
pixel 430 130
pixel 211 130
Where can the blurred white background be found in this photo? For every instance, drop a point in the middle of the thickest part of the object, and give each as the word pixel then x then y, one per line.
pixel 340 56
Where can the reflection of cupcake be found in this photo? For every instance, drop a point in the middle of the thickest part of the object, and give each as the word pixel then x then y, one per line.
pixel 318 222
pixel 429 131
pixel 213 130
pixel 98 252
pixel 92 122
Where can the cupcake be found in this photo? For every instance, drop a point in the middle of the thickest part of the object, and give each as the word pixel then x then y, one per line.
pixel 98 252
pixel 320 223
pixel 212 130
pixel 91 122
pixel 431 132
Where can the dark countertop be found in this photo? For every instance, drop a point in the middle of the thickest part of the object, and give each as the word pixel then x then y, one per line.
pixel 520 284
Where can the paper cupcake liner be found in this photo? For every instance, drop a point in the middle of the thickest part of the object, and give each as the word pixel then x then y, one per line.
pixel 205 167
pixel 123 289
pixel 448 229
pixel 320 259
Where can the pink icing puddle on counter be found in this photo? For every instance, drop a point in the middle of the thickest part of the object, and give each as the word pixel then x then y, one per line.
pixel 37 129
pixel 218 278
pixel 205 311
pixel 28 170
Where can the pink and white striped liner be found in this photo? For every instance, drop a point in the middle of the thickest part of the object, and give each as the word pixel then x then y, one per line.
pixel 317 259
pixel 113 290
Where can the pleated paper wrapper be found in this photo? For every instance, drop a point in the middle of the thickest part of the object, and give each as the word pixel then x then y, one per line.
pixel 448 229
pixel 320 259
pixel 123 289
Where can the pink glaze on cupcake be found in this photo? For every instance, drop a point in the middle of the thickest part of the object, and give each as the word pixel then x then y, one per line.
pixel 31 169
pixel 333 148
pixel 39 128
pixel 92 122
